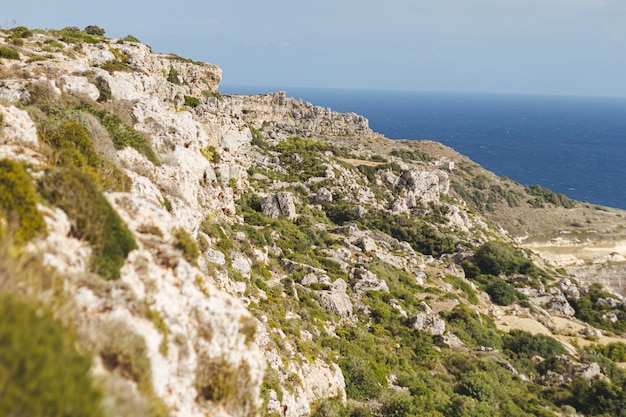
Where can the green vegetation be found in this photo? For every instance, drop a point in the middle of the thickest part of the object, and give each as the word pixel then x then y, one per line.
pixel 94 30
pixel 416 231
pixel 172 76
pixel 94 220
pixel 130 38
pixel 589 309
pixel 9 53
pixel 543 195
pixel 187 245
pixel 74 35
pixel 407 155
pixel 18 201
pixel 123 135
pixel 191 101
pixel 211 154
pixel 73 147
pixel 498 258
pixel 41 371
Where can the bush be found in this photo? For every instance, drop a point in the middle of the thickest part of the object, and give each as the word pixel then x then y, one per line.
pixel 19 202
pixel 94 30
pixel 501 292
pixel 187 245
pixel 41 371
pixel 191 101
pixel 497 258
pixel 8 53
pixel 172 76
pixel 527 345
pixel 130 38
pixel 73 147
pixel 123 135
pixel 93 219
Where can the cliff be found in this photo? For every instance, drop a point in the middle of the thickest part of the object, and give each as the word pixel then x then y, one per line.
pixel 201 254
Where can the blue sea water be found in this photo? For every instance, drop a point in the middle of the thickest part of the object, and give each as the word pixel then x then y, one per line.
pixel 571 145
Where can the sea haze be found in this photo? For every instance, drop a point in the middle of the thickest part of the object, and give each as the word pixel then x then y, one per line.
pixel 572 145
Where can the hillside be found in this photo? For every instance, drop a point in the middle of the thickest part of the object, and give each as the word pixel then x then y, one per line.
pixel 166 250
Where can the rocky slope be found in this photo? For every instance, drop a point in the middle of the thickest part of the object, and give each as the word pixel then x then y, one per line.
pixel 229 255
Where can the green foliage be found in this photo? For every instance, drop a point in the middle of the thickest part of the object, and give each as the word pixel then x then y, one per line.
pixel 543 195
pixel 215 231
pixel 407 155
pixel 74 35
pixel 73 147
pixel 191 101
pixel 93 218
pixel 130 38
pixel 217 380
pixel 498 258
pixel 471 328
pixel 589 310
pixel 476 384
pixel 94 30
pixel 41 371
pixel 9 53
pixel 302 158
pixel 615 351
pixel 211 154
pixel 527 345
pixel 18 201
pixel 257 137
pixel 172 76
pixel 123 135
pixel 464 286
pixel 501 292
pixel 187 245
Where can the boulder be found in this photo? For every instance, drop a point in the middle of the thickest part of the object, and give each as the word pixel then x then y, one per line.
pixel 279 204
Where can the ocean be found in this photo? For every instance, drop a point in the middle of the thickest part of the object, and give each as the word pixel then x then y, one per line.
pixel 571 145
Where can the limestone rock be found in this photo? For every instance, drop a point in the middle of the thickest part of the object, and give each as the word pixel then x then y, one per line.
pixel 18 136
pixel 367 281
pixel 279 204
pixel 428 322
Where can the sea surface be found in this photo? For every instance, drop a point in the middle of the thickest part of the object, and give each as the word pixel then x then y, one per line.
pixel 569 144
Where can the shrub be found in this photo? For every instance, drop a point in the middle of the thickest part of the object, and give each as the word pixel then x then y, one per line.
pixel 187 245
pixel 130 38
pixel 408 155
pixel 191 101
pixel 172 76
pixel 124 135
pixel 19 202
pixel 93 219
pixel 73 147
pixel 8 53
pixel 497 258
pixel 211 154
pixel 41 371
pixel 501 292
pixel 94 30
pixel 527 345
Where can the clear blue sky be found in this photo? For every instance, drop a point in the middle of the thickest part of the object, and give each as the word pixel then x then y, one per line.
pixel 509 46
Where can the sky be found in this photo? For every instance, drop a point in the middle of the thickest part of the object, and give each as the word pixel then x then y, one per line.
pixel 570 47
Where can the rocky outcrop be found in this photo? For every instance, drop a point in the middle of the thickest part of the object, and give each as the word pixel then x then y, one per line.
pixel 279 205
pixel 290 115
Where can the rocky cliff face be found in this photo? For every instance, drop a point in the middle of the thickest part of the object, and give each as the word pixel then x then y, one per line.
pixel 274 268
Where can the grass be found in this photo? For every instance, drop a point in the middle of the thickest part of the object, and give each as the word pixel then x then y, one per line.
pixel 42 373
pixel 123 135
pixel 93 218
pixel 9 53
pixel 18 201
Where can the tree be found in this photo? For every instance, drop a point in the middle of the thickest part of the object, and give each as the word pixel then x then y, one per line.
pixel 94 30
